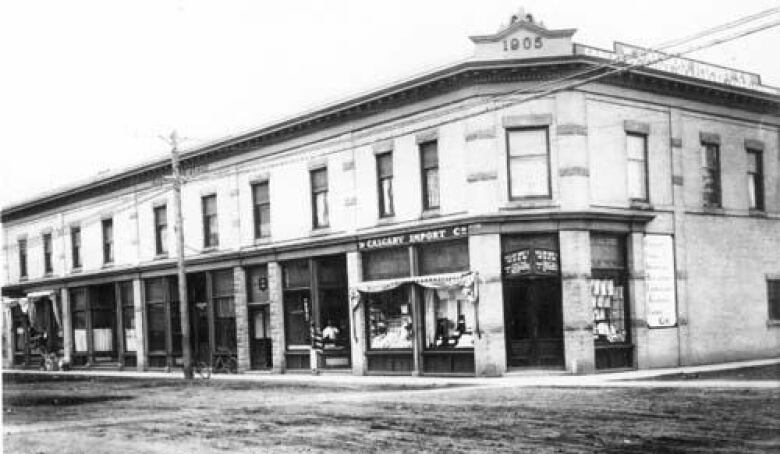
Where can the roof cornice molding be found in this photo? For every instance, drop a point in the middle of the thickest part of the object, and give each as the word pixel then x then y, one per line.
pixel 524 25
pixel 470 72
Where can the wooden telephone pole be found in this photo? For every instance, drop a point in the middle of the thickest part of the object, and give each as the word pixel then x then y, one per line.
pixel 186 348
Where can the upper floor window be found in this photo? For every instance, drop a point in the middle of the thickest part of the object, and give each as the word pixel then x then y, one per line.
pixel 108 240
pixel 636 153
pixel 384 174
pixel 755 177
pixel 261 201
pixel 529 163
pixel 48 267
pixel 773 293
pixel 161 230
pixel 710 174
pixel 429 163
pixel 210 228
pixel 23 258
pixel 319 197
pixel 75 246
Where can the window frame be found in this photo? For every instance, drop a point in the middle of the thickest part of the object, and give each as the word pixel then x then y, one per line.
pixel 425 171
pixel 382 203
pixel 210 238
pixel 645 166
pixel 107 228
pixel 773 299
pixel 22 247
pixel 758 179
pixel 48 251
pixel 75 247
pixel 509 158
pixel 718 179
pixel 160 246
pixel 315 192
pixel 257 209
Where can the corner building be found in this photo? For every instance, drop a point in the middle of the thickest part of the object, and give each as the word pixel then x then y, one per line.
pixel 465 221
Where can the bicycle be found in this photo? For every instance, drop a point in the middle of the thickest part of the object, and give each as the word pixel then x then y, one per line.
pixel 223 363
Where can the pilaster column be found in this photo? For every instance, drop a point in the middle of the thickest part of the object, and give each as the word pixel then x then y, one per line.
pixel 680 244
pixel 578 345
pixel 242 318
pixel 638 303
pixel 357 316
pixel 140 328
pixel 67 326
pixel 276 314
pixel 8 338
pixel 571 143
pixel 490 343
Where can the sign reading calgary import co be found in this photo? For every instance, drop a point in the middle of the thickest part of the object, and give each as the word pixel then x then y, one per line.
pixel 424 236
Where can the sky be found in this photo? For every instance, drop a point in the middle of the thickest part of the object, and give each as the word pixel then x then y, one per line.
pixel 90 86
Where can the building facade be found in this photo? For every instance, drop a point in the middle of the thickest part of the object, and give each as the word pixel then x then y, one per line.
pixel 485 217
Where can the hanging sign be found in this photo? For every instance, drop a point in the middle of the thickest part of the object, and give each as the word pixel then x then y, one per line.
pixel 405 239
pixel 660 293
pixel 529 261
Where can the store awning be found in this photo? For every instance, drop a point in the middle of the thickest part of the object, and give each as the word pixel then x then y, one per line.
pixel 466 283
pixel 466 280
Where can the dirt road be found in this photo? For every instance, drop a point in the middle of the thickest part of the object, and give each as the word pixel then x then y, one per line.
pixel 131 415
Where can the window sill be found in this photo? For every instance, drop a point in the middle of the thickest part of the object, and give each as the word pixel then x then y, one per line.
pixel 161 256
pixel 712 209
pixel 757 213
pixel 520 204
pixel 430 213
pixel 48 275
pixel 263 240
pixel 386 220
pixel 76 270
pixel 107 265
pixel 770 323
pixel 319 231
pixel 640 205
pixel 23 278
pixel 209 249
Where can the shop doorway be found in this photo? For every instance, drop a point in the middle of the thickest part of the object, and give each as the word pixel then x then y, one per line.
pixel 534 322
pixel 259 338
pixel 199 318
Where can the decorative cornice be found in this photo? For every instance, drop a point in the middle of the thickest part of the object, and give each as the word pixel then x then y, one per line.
pixel 469 73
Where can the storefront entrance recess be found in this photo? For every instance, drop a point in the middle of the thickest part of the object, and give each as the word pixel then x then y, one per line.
pixel 534 322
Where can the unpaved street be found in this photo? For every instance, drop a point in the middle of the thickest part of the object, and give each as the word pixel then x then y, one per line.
pixel 80 414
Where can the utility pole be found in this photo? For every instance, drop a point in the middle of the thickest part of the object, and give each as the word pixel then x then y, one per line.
pixel 184 311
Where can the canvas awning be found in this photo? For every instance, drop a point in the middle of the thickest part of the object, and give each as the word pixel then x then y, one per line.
pixel 467 283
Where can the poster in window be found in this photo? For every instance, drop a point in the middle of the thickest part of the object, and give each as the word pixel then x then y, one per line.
pixel 660 281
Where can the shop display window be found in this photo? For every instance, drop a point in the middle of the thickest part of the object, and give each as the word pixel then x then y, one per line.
pixel 155 314
pixel 449 319
pixel 128 316
pixel 609 315
pixel 103 308
pixel 78 301
pixel 390 319
pixel 175 315
pixel 297 318
pixel 224 312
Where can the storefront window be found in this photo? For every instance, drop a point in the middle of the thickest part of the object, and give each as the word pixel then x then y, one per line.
pixel 608 289
pixel 128 316
pixel 224 312
pixel 103 308
pixel 173 296
pixel 449 319
pixel 390 319
pixel 78 301
pixel 155 314
pixel 333 303
pixel 297 318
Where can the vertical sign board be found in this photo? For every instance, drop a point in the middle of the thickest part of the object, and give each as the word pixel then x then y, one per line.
pixel 660 281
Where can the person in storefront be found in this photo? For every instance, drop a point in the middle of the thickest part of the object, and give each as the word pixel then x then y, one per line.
pixel 330 335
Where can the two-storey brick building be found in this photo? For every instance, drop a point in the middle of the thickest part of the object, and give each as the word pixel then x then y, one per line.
pixel 476 219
